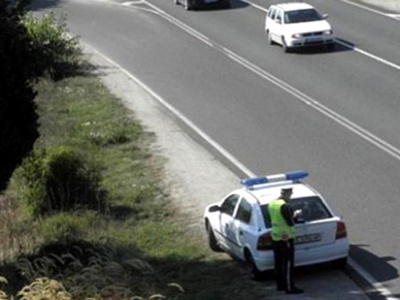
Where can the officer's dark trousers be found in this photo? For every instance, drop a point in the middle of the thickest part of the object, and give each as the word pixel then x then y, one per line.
pixel 284 264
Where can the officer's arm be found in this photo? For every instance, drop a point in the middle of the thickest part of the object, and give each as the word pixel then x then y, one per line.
pixel 287 213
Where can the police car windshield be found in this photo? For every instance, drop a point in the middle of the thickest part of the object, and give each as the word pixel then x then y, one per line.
pixel 303 15
pixel 312 209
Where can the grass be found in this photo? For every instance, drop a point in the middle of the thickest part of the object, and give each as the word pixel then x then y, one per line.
pixel 140 246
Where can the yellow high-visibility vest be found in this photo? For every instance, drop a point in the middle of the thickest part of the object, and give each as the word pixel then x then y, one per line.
pixel 280 229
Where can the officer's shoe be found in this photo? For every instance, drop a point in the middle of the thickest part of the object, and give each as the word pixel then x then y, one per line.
pixel 294 290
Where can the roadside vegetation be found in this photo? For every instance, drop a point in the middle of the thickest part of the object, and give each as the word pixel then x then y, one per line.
pixel 85 214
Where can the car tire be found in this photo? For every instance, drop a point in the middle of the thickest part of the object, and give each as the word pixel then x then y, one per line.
pixel 286 49
pixel 212 241
pixel 255 273
pixel 340 263
pixel 270 41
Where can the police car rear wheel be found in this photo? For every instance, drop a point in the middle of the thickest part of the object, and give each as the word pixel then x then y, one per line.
pixel 255 273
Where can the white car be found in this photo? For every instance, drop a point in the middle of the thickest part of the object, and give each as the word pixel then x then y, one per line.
pixel 239 224
pixel 295 25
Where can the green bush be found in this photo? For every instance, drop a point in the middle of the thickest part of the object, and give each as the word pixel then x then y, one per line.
pixel 57 53
pixel 58 179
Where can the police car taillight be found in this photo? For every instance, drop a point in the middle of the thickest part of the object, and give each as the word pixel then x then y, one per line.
pixel 341 231
pixel 295 175
pixel 264 242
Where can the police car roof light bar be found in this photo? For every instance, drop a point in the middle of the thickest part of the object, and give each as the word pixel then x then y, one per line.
pixel 294 175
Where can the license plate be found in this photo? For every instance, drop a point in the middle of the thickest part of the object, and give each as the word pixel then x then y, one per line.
pixel 308 238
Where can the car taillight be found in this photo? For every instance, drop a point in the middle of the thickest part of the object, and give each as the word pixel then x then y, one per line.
pixel 264 242
pixel 341 231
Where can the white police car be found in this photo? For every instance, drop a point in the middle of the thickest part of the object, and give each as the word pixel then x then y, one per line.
pixel 239 224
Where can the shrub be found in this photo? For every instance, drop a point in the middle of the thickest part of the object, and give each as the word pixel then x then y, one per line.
pixel 57 53
pixel 58 179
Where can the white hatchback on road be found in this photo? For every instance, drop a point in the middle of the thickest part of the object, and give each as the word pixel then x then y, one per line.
pixel 239 224
pixel 295 25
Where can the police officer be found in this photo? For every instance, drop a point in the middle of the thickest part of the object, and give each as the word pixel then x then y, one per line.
pixel 282 220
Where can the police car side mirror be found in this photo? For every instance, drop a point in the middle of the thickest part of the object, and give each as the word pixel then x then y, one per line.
pixel 214 208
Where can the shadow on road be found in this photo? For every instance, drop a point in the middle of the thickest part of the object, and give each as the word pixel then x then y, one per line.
pixel 322 50
pixel 378 267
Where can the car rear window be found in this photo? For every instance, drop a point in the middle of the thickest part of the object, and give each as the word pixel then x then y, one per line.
pixel 313 209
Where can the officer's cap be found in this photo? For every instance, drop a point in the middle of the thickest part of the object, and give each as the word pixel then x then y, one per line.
pixel 286 190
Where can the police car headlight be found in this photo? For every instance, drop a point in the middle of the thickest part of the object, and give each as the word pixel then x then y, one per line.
pixel 296 35
pixel 328 32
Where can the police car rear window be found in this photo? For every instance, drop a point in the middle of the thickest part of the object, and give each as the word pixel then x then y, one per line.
pixel 312 208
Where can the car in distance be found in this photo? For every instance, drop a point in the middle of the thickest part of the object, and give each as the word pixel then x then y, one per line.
pixel 295 25
pixel 239 224
pixel 195 4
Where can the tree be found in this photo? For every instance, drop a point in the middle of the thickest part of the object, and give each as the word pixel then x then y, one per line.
pixel 18 73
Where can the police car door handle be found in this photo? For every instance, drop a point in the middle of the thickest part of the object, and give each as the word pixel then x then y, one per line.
pixel 241 232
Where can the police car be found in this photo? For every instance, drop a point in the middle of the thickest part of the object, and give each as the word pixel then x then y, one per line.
pixel 240 226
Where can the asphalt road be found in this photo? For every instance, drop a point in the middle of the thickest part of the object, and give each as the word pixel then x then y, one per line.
pixel 334 114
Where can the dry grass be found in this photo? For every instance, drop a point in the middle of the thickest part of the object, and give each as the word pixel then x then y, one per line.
pixel 15 235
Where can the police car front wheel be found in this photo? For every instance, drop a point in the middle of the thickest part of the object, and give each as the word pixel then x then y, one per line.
pixel 212 241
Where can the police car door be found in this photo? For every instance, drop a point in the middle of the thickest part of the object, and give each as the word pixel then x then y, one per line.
pixel 228 208
pixel 243 227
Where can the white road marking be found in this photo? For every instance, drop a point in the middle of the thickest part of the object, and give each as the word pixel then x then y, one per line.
pixel 370 9
pixel 394 16
pixel 255 5
pixel 384 292
pixel 370 55
pixel 131 3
